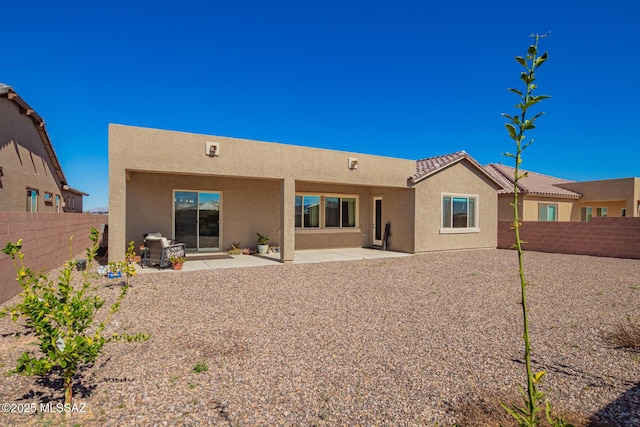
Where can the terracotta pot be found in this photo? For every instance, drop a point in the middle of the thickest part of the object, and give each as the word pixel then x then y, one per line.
pixel 177 266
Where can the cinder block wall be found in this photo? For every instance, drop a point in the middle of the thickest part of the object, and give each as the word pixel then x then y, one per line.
pixel 609 237
pixel 45 242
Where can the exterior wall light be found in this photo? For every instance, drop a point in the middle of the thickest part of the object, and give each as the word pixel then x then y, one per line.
pixel 353 163
pixel 212 149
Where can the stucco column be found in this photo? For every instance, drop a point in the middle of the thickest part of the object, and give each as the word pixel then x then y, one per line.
pixel 287 220
pixel 117 198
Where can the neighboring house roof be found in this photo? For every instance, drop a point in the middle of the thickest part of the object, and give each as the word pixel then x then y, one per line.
pixel 534 183
pixel 8 92
pixel 431 165
pixel 73 190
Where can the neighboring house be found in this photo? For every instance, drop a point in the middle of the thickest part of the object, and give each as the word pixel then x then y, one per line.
pixel 31 178
pixel 546 198
pixel 609 197
pixel 209 192
pixel 540 199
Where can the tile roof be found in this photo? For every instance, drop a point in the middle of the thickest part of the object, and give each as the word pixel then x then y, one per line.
pixel 431 165
pixel 534 183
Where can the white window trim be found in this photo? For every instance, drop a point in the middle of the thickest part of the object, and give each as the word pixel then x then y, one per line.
pixel 451 230
pixel 323 228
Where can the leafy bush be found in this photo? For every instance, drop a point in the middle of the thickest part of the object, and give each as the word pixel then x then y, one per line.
pixel 63 317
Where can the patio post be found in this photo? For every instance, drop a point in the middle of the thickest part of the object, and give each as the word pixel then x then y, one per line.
pixel 287 220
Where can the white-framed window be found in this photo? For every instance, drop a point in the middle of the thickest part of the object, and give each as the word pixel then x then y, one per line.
pixel 547 212
pixel 48 198
pixel 319 211
pixel 57 203
pixel 459 213
pixel 601 212
pixel 586 213
pixel 32 200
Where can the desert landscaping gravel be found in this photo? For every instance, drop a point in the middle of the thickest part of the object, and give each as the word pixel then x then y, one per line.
pixel 396 341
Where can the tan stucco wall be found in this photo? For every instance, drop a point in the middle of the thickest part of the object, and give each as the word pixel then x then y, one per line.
pixel 24 162
pixel 332 238
pixel 614 208
pixel 605 193
pixel 247 206
pixel 134 149
pixel 531 208
pixel 528 207
pixel 460 178
pixel 251 205
pixel 397 210
pixel 505 210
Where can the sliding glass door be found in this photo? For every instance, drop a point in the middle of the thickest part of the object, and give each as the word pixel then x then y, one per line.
pixel 197 220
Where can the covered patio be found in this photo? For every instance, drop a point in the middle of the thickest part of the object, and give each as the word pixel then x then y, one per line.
pixel 195 263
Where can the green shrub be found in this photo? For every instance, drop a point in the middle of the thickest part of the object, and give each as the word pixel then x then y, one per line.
pixel 63 317
pixel 200 367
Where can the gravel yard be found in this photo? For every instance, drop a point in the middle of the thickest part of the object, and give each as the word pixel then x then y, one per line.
pixel 398 341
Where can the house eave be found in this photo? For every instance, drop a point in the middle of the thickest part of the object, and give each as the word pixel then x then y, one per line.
pixel 39 124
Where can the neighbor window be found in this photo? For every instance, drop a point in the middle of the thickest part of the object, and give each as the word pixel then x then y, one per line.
pixel 623 212
pixel 325 211
pixel 601 212
pixel 32 200
pixel 459 212
pixel 547 212
pixel 57 203
pixel 48 199
pixel 586 213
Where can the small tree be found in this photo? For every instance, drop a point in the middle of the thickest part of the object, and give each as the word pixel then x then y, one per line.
pixel 517 126
pixel 62 317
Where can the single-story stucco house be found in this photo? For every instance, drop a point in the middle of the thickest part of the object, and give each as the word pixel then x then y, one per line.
pixel 209 192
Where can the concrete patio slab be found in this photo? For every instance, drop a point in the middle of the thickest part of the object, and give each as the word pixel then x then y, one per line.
pixel 343 254
pixel 300 257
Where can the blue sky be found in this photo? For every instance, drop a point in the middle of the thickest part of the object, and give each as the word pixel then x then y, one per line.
pixel 408 79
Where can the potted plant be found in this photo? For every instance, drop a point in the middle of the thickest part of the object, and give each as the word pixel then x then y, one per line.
pixel 177 261
pixel 115 270
pixel 235 249
pixel 263 243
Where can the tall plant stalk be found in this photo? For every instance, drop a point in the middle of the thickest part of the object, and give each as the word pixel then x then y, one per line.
pixel 519 124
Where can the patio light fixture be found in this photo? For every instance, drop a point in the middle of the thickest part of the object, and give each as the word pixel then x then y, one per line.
pixel 212 149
